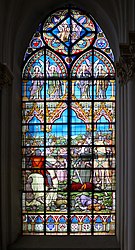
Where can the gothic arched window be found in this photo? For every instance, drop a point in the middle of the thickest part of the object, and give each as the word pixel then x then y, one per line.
pixel 68 128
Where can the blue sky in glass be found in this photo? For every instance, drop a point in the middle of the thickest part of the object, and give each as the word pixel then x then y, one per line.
pixel 34 120
pixel 78 129
pixel 61 130
pixel 63 118
pixel 102 119
pixel 35 129
pixel 103 128
pixel 74 118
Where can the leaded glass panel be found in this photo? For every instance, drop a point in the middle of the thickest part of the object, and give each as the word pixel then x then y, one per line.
pixel 68 128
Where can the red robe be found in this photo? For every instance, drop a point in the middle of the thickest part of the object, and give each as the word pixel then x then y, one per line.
pixel 78 186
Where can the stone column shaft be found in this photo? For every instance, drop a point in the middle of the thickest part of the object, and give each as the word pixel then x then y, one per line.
pixel 126 74
pixel 5 126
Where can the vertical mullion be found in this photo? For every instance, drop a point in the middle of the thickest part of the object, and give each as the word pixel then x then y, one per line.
pixel 92 228
pixel 68 160
pixel 69 137
pixel 21 164
pixel 44 140
pixel 115 152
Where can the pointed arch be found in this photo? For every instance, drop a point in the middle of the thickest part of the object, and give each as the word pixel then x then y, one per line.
pixel 68 84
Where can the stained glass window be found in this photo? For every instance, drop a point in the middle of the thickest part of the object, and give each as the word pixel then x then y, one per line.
pixel 68 128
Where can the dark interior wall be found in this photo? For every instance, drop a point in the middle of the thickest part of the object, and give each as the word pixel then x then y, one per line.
pixel 18 21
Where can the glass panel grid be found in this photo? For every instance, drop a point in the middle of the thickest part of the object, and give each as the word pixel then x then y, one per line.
pixel 68 133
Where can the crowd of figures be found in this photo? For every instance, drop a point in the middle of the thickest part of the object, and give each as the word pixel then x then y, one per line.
pixel 55 176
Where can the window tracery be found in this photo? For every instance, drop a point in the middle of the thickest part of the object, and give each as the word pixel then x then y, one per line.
pixel 68 128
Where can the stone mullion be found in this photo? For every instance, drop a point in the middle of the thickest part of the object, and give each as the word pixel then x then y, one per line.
pixel 126 74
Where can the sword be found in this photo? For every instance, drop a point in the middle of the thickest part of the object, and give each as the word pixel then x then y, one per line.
pixel 76 171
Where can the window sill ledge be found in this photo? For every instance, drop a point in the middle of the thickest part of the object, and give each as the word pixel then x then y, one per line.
pixel 69 242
